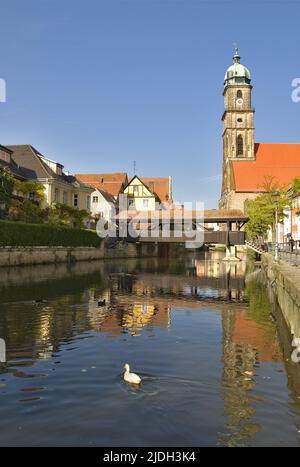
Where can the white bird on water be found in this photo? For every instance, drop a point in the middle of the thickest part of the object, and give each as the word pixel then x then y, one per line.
pixel 131 377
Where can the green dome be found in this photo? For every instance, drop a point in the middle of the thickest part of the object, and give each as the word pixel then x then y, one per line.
pixel 237 73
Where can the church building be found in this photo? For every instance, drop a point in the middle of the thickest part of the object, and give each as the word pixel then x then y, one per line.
pixel 247 164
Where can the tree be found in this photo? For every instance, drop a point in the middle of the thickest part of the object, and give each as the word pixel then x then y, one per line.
pixel 25 206
pixel 6 190
pixel 61 214
pixel 26 189
pixel 25 210
pixel 296 185
pixel 262 210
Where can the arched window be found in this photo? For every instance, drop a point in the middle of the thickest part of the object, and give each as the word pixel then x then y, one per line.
pixel 239 94
pixel 240 146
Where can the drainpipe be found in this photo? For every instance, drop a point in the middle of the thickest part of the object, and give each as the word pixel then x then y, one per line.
pixel 276 233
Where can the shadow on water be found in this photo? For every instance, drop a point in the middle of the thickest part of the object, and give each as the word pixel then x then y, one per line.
pixel 211 348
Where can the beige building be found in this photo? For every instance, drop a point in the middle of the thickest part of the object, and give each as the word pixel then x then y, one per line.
pixel 103 205
pixel 60 186
pixel 139 196
pixel 143 193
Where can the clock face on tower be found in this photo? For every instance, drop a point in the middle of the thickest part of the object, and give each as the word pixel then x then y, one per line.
pixel 239 101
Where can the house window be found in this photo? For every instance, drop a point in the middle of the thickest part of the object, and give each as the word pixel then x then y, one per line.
pixel 240 145
pixel 56 195
pixel 88 202
pixel 135 188
pixel 75 200
pixel 95 199
pixel 145 203
pixel 101 180
pixel 131 203
pixel 31 196
pixel 65 197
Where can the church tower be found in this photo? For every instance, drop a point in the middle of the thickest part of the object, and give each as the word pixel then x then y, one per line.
pixel 238 121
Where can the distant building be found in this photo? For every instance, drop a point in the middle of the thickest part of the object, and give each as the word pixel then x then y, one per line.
pixel 290 226
pixel 102 204
pixel 112 183
pixel 247 164
pixel 60 187
pixel 139 196
pixel 143 193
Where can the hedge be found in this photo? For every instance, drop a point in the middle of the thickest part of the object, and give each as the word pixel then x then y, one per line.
pixel 22 234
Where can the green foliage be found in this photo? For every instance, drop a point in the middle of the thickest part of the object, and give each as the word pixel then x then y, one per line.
pixel 6 190
pixel 22 234
pixel 61 214
pixel 26 188
pixel 262 210
pixel 26 211
pixel 296 185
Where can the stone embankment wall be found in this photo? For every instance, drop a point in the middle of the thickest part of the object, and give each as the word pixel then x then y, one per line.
pixel 284 279
pixel 22 256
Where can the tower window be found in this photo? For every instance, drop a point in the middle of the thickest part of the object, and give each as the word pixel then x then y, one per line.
pixel 240 145
pixel 239 94
pixel 240 120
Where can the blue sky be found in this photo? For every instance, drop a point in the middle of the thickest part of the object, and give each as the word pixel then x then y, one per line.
pixel 97 84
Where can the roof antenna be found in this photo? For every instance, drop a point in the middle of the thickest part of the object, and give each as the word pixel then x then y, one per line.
pixel 134 168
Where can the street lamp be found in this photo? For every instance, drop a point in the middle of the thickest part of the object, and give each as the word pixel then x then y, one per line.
pixel 276 196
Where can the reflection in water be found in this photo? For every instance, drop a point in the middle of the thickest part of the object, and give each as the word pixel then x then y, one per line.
pixel 213 362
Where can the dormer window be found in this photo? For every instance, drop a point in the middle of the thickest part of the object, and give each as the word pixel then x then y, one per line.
pixel 5 156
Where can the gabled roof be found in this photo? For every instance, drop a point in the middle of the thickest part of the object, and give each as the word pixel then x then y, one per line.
pixel 31 162
pixel 278 160
pixel 111 183
pixel 160 186
pixel 142 182
pixel 107 196
pixel 33 166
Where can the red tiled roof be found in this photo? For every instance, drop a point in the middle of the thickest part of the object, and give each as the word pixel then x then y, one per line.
pixel 112 183
pixel 278 160
pixel 158 185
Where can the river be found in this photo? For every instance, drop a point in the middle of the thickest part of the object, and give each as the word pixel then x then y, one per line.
pixel 212 350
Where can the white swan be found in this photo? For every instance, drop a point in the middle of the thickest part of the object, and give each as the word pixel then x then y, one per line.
pixel 131 377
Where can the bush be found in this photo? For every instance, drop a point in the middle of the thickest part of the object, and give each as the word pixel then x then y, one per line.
pixel 22 234
pixel 26 211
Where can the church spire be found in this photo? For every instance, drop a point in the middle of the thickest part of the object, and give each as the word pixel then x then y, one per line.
pixel 236 57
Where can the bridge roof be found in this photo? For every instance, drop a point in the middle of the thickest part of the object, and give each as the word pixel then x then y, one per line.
pixel 207 216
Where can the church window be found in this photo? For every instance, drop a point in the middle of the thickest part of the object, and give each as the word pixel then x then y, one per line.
pixel 240 145
pixel 239 94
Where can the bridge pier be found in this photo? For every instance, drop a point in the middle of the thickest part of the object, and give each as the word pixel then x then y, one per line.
pixel 231 254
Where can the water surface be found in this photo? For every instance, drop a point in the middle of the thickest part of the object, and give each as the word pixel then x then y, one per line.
pixel 215 363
